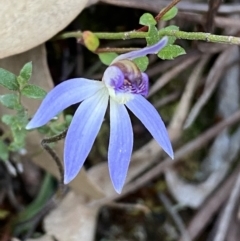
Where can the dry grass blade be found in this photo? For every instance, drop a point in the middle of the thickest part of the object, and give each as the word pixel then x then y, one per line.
pixel 211 83
pixel 175 216
pixel 220 22
pixel 228 212
pixel 167 99
pixel 171 74
pixel 211 206
pixel 175 127
pixel 166 65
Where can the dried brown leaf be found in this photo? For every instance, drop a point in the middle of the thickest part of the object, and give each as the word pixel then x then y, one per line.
pixel 72 220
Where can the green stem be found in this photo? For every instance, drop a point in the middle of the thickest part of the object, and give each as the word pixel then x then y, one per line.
pixel 178 34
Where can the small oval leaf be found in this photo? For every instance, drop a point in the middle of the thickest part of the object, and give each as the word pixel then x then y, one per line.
pixel 25 74
pixel 142 63
pixel 33 91
pixel 147 19
pixel 107 58
pixel 10 101
pixel 153 36
pixel 171 39
pixel 8 80
pixel 171 52
pixel 170 14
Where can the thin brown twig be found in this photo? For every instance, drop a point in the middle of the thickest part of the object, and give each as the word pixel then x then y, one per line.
pixel 228 212
pixel 129 206
pixel 54 156
pixel 211 206
pixel 166 9
pixel 190 6
pixel 164 66
pixel 164 79
pixel 212 80
pixel 175 216
pixel 167 99
pixel 175 128
pixel 160 14
pixel 221 22
pixel 212 11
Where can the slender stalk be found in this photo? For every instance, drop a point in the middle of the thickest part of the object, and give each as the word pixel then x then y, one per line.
pixel 54 156
pixel 178 34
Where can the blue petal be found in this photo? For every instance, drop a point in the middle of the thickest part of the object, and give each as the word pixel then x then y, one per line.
pixel 148 115
pixel 62 96
pixel 153 49
pixel 120 144
pixel 82 132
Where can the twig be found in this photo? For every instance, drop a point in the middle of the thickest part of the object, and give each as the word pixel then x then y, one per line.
pixel 175 127
pixel 204 215
pixel 221 22
pixel 212 11
pixel 130 206
pixel 164 66
pixel 161 14
pixel 190 6
pixel 213 78
pixel 167 99
pixel 175 216
pixel 54 156
pixel 228 212
pixel 171 74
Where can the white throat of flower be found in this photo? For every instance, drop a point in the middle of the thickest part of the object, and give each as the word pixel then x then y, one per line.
pixel 120 97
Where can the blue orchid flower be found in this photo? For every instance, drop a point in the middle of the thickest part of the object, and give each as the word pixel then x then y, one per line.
pixel 125 86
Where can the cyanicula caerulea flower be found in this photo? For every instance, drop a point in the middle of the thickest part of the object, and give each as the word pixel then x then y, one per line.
pixel 125 86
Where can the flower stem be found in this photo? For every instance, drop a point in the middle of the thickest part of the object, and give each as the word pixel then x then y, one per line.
pixel 54 156
pixel 178 34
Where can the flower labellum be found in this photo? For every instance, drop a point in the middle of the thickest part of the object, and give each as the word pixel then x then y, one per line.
pixel 125 86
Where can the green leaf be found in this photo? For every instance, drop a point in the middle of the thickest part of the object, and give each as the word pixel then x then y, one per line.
pixel 19 136
pixel 171 39
pixel 170 14
pixel 90 40
pixel 142 63
pixel 17 125
pixel 68 119
pixel 171 52
pixel 8 80
pixel 7 119
pixel 25 74
pixel 10 101
pixel 147 19
pixel 4 153
pixel 22 223
pixel 107 58
pixel 16 122
pixel 33 91
pixel 153 36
